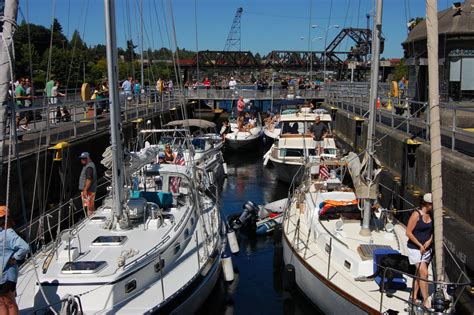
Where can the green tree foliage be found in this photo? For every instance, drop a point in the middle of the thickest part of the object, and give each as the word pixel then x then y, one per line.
pixel 401 70
pixel 72 61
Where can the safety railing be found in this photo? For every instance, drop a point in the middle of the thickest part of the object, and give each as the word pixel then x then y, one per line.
pixel 407 115
pixel 49 116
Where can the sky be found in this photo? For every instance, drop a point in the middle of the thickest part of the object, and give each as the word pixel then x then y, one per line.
pixel 266 25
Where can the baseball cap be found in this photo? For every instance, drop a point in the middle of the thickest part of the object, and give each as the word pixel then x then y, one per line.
pixel 161 155
pixel 428 198
pixel 84 155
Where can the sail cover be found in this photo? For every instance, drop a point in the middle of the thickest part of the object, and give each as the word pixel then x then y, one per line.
pixel 363 187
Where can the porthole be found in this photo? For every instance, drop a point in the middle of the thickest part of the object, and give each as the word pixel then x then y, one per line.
pixel 159 265
pixel 186 233
pixel 192 220
pixel 130 286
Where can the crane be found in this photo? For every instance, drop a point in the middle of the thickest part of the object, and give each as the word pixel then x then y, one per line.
pixel 233 39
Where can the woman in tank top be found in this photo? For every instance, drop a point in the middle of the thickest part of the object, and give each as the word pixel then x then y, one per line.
pixel 169 155
pixel 420 237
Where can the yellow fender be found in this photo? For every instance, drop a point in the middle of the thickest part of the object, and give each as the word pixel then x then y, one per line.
pixel 394 89
pixel 85 92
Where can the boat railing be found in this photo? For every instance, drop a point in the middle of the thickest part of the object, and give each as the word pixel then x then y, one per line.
pixel 450 286
pixel 42 231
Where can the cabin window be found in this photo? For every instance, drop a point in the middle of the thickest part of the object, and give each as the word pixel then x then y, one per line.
pixel 98 219
pixel 83 267
pixel 177 248
pixel 159 265
pixel 327 248
pixel 186 233
pixel 192 220
pixel 130 286
pixel 347 265
pixel 109 240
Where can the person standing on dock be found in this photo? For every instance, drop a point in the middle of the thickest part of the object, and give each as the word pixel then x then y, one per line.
pixel 20 98
pixel 88 183
pixel 127 87
pixel 12 249
pixel 232 85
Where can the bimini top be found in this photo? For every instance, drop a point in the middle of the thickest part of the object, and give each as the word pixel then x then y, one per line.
pixel 305 117
pixel 201 123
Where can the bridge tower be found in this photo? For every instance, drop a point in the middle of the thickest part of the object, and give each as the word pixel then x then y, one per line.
pixel 233 39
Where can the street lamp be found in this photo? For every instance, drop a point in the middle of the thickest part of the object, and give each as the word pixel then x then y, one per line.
pixel 311 58
pixel 325 44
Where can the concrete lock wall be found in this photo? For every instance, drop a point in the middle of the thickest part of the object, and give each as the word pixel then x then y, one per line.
pixel 412 163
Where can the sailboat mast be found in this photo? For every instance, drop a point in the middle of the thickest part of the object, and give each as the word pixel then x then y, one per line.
pixel 6 55
pixel 142 82
pixel 115 126
pixel 374 77
pixel 435 133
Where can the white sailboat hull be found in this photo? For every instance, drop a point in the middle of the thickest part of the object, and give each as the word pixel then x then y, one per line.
pixel 320 291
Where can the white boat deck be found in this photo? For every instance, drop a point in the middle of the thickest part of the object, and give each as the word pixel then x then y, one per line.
pixel 345 263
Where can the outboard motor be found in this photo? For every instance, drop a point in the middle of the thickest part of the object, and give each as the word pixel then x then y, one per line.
pixel 250 211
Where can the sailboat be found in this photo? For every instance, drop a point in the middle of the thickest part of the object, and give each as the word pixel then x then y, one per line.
pixel 153 246
pixel 332 240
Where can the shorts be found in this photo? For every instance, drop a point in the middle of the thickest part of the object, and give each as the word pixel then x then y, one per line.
pixel 414 256
pixel 7 287
pixel 88 200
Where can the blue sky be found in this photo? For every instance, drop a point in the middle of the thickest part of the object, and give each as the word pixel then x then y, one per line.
pixel 266 25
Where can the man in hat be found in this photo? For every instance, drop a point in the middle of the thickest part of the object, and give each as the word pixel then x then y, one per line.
pixel 88 183
pixel 12 248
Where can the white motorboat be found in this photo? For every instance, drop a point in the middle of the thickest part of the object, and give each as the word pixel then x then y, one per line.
pixel 243 140
pixel 294 145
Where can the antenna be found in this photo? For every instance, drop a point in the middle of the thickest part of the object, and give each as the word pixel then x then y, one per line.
pixel 233 39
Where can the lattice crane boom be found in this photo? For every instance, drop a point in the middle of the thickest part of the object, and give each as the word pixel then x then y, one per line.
pixel 233 39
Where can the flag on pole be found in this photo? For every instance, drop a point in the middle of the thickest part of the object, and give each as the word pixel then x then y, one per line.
pixel 323 172
pixel 175 181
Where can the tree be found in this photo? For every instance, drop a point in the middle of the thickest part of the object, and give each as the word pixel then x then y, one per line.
pixel 401 70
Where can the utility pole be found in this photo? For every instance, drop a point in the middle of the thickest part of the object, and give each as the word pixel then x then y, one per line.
pixel 374 77
pixel 6 69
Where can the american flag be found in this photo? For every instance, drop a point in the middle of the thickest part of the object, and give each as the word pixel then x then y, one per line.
pixel 175 181
pixel 323 172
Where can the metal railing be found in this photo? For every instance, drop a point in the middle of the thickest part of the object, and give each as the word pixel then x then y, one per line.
pixel 406 115
pixel 48 116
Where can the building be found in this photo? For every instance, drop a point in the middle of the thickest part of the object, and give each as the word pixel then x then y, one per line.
pixel 456 55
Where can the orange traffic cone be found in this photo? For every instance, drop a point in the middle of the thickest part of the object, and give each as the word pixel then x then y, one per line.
pixel 377 104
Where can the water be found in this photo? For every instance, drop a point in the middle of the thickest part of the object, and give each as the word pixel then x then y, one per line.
pixel 257 288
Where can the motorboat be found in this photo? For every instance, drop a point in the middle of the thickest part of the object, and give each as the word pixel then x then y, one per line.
pixel 247 139
pixel 295 146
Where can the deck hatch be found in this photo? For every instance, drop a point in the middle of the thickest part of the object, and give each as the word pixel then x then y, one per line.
pixel 83 267
pixel 109 240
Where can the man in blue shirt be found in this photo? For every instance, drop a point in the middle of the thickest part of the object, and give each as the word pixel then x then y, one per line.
pixel 12 249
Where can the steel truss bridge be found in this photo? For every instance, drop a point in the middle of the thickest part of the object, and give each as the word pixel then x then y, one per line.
pixel 336 59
